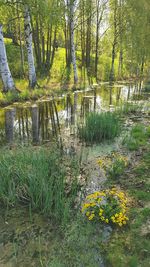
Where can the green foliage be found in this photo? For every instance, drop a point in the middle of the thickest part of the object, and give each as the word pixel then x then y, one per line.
pixel 147 87
pixel 136 138
pixel 79 236
pixel 131 247
pixel 12 96
pixel 25 95
pixel 118 166
pixel 99 127
pixel 36 177
pixel 107 206
pixel 13 54
pixel 129 108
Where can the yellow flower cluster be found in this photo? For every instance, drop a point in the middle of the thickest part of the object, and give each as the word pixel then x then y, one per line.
pixel 107 162
pixel 108 206
pixel 120 219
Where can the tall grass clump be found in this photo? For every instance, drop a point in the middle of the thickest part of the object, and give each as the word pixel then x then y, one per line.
pixel 36 178
pixel 99 127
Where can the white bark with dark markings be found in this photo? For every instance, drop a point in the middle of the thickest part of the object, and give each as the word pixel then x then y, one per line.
pixel 28 39
pixel 4 68
pixel 73 52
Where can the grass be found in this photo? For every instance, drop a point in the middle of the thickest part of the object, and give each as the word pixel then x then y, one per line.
pixel 99 127
pixel 137 137
pixel 130 108
pixel 130 246
pixel 80 246
pixel 36 178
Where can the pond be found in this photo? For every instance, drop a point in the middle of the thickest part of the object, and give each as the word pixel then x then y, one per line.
pixel 50 118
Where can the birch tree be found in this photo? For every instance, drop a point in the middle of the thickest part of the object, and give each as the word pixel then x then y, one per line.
pixel 72 4
pixel 28 40
pixel 115 38
pixel 4 68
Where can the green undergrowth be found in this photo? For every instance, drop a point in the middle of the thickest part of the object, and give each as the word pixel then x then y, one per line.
pixel 129 108
pixel 147 87
pixel 36 177
pixel 137 137
pixel 24 95
pixel 131 246
pixel 99 127
pixel 80 246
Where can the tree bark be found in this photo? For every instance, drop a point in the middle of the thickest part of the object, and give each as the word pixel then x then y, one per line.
pixel 4 68
pixel 73 52
pixel 112 72
pixel 28 39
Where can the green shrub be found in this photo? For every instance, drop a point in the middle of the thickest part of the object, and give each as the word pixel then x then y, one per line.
pixel 99 127
pixel 12 96
pixel 25 95
pixel 37 178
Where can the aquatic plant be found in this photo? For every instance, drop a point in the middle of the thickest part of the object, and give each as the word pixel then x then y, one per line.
pixel 128 108
pixel 36 178
pixel 107 206
pixel 100 126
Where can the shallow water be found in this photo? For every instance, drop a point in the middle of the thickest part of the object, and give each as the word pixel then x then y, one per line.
pixel 47 118
pixel 29 239
pixel 25 239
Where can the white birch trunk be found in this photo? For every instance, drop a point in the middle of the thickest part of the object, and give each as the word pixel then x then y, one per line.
pixel 73 52
pixel 4 68
pixel 28 40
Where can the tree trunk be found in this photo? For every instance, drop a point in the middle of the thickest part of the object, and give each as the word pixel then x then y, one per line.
pixel 88 35
pixel 112 72
pixel 73 53
pixel 28 39
pixel 4 68
pixel 20 43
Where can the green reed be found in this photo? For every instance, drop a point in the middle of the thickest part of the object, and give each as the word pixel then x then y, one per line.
pixel 99 127
pixel 36 177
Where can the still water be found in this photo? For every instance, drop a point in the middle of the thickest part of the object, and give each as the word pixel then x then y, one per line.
pixel 45 119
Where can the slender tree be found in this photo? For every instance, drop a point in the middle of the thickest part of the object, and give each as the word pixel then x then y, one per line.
pixel 4 68
pixel 73 52
pixel 28 39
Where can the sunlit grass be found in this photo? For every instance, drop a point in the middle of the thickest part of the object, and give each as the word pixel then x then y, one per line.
pixel 137 137
pixel 131 247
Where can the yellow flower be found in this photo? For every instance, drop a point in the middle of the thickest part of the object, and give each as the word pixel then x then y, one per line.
pixel 93 204
pixel 87 213
pixel 107 221
pixel 91 217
